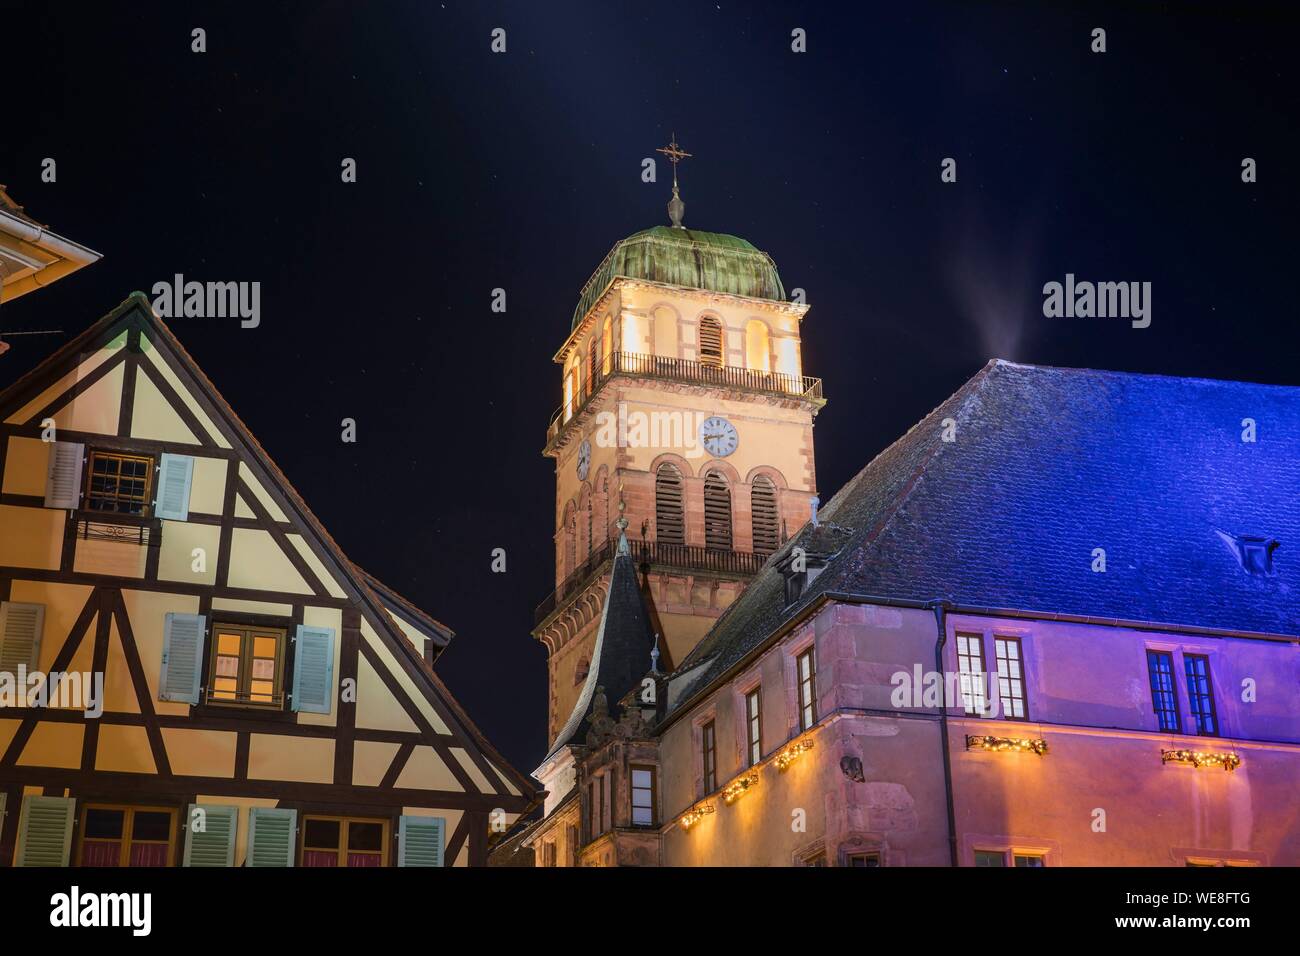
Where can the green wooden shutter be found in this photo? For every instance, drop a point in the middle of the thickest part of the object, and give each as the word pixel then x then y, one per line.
pixel 210 835
pixel 45 831
pixel 272 833
pixel 175 473
pixel 63 475
pixel 420 841
pixel 313 670
pixel 182 658
pixel 20 635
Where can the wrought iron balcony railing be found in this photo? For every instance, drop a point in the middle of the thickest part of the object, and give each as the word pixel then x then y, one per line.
pixel 653 553
pixel 682 370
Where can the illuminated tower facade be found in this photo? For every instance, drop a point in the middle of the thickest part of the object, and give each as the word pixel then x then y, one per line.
pixel 685 406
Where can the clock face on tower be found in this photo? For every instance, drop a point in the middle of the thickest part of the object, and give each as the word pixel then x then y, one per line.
pixel 584 460
pixel 718 436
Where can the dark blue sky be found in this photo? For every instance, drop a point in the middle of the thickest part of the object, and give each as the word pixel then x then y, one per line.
pixel 520 170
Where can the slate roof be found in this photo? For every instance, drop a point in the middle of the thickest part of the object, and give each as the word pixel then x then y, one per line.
pixel 1048 464
pixel 685 257
pixel 621 657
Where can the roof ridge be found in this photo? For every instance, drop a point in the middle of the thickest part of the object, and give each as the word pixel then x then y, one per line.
pixel 1158 376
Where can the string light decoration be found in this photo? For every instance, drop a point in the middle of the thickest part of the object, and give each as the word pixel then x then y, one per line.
pixel 1003 744
pixel 791 753
pixel 739 787
pixel 1199 758
pixel 694 815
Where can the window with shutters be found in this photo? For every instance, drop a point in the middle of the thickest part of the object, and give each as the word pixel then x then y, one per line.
pixel 710 341
pixel 118 483
pixel 247 666
pixel 607 345
pixel 764 515
pixel 20 635
pixel 709 755
pixel 670 523
pixel 344 841
pixel 593 363
pixel 126 835
pixel 717 512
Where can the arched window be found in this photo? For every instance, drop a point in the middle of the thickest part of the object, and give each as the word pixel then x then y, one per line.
pixel 580 674
pixel 571 375
pixel 710 341
pixel 607 345
pixel 758 346
pixel 766 519
pixel 570 539
pixel 670 525
pixel 584 506
pixel 593 363
pixel 600 506
pixel 717 512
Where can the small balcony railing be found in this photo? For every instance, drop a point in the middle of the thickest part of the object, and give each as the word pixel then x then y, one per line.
pixel 653 553
pixel 682 370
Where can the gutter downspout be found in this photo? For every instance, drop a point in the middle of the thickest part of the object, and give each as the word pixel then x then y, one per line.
pixel 940 608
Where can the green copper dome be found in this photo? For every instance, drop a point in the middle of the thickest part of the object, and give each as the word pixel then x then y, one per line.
pixel 685 257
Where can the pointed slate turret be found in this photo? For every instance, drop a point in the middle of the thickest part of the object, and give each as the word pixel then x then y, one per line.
pixel 624 645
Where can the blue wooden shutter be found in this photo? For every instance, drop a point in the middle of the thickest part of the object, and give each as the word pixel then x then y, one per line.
pixel 63 476
pixel 210 835
pixel 175 474
pixel 272 836
pixel 420 841
pixel 20 635
pixel 182 658
pixel 313 670
pixel 45 831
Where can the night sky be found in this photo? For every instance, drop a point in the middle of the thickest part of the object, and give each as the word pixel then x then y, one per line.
pixel 520 170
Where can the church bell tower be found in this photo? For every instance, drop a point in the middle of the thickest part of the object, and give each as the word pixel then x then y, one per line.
pixel 685 406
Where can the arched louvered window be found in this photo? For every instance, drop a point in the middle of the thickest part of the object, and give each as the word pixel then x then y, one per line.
pixel 607 345
pixel 670 523
pixel 717 513
pixel 710 341
pixel 593 363
pixel 766 520
pixel 570 539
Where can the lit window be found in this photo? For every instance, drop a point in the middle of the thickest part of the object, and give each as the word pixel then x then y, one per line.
pixel 643 796
pixel 807 668
pixel 970 666
pixel 1011 678
pixel 126 836
pixel 1200 694
pixel 119 484
pixel 862 859
pixel 247 666
pixel 1164 695
pixel 709 742
pixel 754 725
pixel 344 842
pixel 1029 859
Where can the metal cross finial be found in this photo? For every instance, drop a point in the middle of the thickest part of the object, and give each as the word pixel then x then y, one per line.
pixel 676 208
pixel 675 155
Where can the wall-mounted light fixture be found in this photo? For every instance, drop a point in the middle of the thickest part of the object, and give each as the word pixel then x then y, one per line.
pixel 792 752
pixel 694 815
pixel 739 787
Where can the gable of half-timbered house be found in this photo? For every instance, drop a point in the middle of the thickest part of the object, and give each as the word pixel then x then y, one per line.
pixel 264 702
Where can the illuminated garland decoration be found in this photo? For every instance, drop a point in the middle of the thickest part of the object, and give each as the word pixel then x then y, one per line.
pixel 1014 744
pixel 739 787
pixel 1197 758
pixel 694 815
pixel 788 755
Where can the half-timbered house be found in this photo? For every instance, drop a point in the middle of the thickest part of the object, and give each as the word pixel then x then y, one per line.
pixel 191 671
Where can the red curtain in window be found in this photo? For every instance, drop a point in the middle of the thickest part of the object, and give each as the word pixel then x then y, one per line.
pixel 100 853
pixel 320 858
pixel 149 854
pixel 363 859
